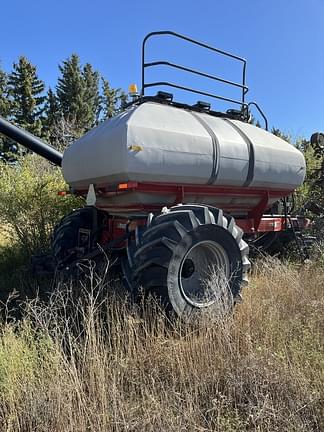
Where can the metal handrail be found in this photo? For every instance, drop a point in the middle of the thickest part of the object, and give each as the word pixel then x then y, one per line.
pixel 165 83
pixel 261 113
pixel 145 65
pixel 194 71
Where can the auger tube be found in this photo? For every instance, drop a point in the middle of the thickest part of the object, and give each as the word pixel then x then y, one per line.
pixel 30 141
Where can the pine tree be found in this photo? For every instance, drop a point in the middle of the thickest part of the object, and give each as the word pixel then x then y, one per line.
pixel 25 90
pixel 4 97
pixel 280 134
pixel 123 98
pixel 52 108
pixel 52 116
pixel 59 131
pixel 70 90
pixel 112 99
pixel 78 94
pixel 4 107
pixel 91 96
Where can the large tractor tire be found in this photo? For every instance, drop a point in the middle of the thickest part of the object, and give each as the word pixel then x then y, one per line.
pixel 74 236
pixel 188 257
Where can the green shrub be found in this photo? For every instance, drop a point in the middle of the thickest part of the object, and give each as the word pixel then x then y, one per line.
pixel 29 203
pixel 23 355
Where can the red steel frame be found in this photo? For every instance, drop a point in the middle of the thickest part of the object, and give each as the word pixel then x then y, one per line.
pixel 255 221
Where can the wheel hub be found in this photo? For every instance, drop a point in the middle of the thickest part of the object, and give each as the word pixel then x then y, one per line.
pixel 188 268
pixel 204 274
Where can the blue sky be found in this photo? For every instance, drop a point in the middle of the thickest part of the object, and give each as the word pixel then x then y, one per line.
pixel 282 40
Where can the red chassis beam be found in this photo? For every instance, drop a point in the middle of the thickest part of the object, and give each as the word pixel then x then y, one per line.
pixel 116 226
pixel 255 222
pixel 273 223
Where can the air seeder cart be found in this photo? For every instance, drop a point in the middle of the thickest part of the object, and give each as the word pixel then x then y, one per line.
pixel 176 192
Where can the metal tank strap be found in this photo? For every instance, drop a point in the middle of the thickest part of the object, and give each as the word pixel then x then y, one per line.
pixel 215 143
pixel 250 146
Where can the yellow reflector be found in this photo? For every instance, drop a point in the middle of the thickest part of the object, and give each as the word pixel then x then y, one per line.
pixel 136 148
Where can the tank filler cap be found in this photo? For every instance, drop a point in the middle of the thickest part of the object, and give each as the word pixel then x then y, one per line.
pixel 164 96
pixel 204 106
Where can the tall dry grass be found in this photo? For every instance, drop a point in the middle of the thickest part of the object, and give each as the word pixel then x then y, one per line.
pixel 101 365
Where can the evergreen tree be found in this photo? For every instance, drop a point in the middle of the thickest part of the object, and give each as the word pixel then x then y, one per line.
pixel 52 108
pixel 123 98
pixel 112 99
pixel 25 90
pixel 4 97
pixel 91 96
pixel 59 131
pixel 4 107
pixel 70 90
pixel 77 105
pixel 280 134
pixel 109 99
pixel 52 116
pixel 78 94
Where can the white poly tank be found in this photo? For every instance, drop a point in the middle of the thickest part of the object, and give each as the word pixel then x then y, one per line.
pixel 154 142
